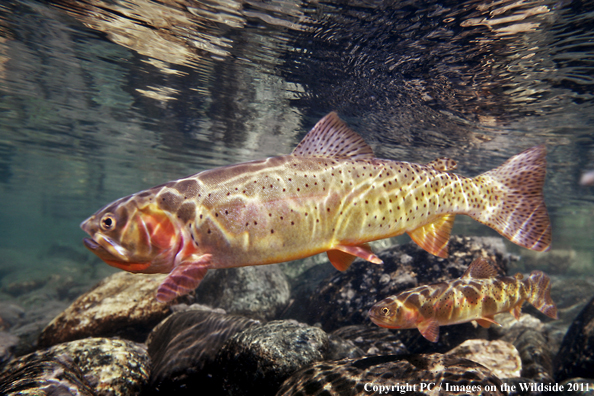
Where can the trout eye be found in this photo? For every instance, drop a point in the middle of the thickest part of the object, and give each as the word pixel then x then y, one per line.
pixel 386 311
pixel 108 222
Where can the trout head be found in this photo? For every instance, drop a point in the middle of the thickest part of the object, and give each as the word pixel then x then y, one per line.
pixel 394 314
pixel 134 234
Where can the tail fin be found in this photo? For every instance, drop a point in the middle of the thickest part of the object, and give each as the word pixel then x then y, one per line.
pixel 514 200
pixel 540 296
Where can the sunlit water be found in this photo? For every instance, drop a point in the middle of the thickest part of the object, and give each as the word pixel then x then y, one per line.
pixel 100 99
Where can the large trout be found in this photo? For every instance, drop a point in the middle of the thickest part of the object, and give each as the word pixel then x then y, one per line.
pixel 329 195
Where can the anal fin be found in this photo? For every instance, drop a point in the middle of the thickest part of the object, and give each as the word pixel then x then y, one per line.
pixel 184 278
pixel 434 237
pixel 342 256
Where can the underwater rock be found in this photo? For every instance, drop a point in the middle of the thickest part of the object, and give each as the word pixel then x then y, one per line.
pixel 257 360
pixel 122 305
pixel 340 348
pixel 8 344
pixel 345 297
pixel 258 292
pixel 373 340
pixel 195 307
pixel 302 287
pixel 10 315
pixel 16 289
pixel 295 270
pixel 531 339
pixel 112 366
pixel 500 357
pixel 350 377
pixel 37 374
pixel 94 366
pixel 28 323
pixel 183 348
pixel 576 354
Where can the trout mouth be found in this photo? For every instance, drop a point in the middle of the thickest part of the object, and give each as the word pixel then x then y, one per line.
pixel 382 323
pixel 106 249
pixel 117 260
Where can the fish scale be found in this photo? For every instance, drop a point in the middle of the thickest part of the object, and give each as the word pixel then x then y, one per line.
pixel 330 195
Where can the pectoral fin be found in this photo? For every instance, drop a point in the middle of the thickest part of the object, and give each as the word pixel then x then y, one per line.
pixel 341 256
pixel 434 237
pixel 184 278
pixel 429 329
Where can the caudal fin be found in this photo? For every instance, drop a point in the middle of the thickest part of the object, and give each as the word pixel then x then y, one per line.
pixel 540 295
pixel 514 202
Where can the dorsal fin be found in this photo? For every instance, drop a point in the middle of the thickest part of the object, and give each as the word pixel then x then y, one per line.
pixel 331 137
pixel 480 268
pixel 443 164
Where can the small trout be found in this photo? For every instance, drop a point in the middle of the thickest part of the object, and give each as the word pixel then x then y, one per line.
pixel 329 195
pixel 478 295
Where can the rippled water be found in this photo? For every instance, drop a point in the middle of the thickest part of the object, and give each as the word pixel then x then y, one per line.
pixel 100 99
